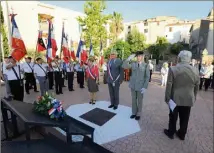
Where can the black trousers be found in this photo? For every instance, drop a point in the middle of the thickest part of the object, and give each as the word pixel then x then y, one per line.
pixel 81 79
pixel 150 78
pixel 205 82
pixel 184 113
pixel 78 80
pixel 30 80
pixel 114 93
pixel 70 76
pixel 51 80
pixel 58 82
pixel 17 89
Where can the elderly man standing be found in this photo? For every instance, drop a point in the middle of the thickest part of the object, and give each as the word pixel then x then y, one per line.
pixel 115 77
pixel 138 83
pixel 182 87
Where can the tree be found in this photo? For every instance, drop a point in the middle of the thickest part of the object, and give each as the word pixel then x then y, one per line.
pixel 136 40
pixel 116 25
pixel 176 48
pixel 93 25
pixel 161 47
pixel 122 48
pixel 4 35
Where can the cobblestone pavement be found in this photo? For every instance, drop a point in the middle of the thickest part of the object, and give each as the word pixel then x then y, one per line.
pixel 151 139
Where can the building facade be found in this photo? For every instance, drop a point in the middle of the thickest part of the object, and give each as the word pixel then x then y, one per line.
pixel 171 27
pixel 32 16
pixel 201 38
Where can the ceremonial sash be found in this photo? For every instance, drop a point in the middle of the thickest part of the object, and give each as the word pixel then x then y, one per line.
pixel 89 71
pixel 109 72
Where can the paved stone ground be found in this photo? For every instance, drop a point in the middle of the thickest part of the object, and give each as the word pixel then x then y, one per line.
pixel 154 119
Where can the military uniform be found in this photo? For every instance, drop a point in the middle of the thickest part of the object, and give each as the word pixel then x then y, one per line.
pixel 139 80
pixel 115 75
pixel 80 74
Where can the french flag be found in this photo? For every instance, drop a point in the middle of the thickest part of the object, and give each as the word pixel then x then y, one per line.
pixel 64 44
pixel 91 51
pixel 49 45
pixel 72 54
pixel 18 46
pixel 53 42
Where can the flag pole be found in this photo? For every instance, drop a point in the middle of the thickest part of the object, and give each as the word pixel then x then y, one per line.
pixel 60 54
pixel 36 48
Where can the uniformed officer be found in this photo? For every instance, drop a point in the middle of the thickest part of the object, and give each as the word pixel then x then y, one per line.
pixel 80 74
pixel 40 71
pixel 138 82
pixel 63 67
pixel 50 76
pixel 15 79
pixel 115 77
pixel 4 77
pixel 70 74
pixel 56 64
pixel 29 75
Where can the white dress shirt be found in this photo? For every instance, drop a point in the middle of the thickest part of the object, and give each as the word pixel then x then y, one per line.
pixel 69 67
pixel 58 68
pixel 12 76
pixel 151 66
pixel 28 67
pixel 3 68
pixel 104 67
pixel 40 71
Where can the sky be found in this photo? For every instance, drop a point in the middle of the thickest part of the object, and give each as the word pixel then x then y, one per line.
pixel 140 10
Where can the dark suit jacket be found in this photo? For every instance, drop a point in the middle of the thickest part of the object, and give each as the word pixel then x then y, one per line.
pixel 116 70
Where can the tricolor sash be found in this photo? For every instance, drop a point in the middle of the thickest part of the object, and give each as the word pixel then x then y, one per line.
pixel 109 72
pixel 89 71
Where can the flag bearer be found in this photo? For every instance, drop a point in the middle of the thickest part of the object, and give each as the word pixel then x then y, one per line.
pixel 57 75
pixel 29 75
pixel 40 71
pixel 92 75
pixel 4 77
pixel 50 76
pixel 138 82
pixel 80 74
pixel 15 79
pixel 70 74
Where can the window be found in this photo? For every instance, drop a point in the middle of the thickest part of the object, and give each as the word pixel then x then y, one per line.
pixel 145 30
pixel 170 29
pixel 129 27
pixel 145 23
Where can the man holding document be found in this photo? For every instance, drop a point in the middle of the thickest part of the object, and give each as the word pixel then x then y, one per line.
pixel 181 90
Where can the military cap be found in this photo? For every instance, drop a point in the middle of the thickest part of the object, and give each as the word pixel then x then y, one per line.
pixel 139 53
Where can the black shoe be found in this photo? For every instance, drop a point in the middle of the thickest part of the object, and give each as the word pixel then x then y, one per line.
pixel 28 92
pixel 137 118
pixel 36 91
pixel 93 102
pixel 132 116
pixel 50 88
pixel 90 102
pixel 166 132
pixel 63 86
pixel 110 106
pixel 115 107
pixel 72 90
pixel 180 137
pixel 61 93
pixel 57 93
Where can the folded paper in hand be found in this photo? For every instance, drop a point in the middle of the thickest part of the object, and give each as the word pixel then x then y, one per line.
pixel 172 105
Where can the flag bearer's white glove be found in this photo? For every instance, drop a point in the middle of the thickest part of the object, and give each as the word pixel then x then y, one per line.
pixel 130 57
pixel 143 90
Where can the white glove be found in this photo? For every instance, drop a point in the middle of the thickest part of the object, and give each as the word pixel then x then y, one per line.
pixel 130 57
pixel 143 90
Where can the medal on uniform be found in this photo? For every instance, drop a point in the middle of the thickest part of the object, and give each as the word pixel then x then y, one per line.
pixel 113 84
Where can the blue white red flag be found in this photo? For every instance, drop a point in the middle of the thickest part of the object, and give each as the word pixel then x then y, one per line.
pixel 18 46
